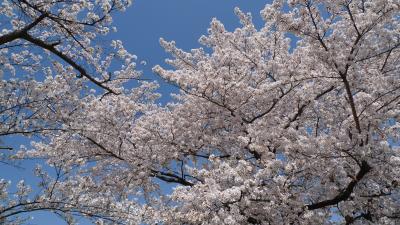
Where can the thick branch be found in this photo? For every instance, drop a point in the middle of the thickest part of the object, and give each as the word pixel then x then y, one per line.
pixel 319 38
pixel 66 58
pixel 170 177
pixel 352 19
pixel 104 149
pixel 345 194
pixel 19 33
pixel 274 102
pixel 351 102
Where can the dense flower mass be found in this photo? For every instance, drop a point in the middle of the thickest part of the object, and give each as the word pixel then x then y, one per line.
pixel 262 131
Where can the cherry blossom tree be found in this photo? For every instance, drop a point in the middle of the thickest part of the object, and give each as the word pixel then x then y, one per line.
pixel 42 39
pixel 261 132
pixel 290 136
pixel 53 61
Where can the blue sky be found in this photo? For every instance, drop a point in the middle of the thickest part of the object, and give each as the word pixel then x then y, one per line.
pixel 140 28
pixel 183 21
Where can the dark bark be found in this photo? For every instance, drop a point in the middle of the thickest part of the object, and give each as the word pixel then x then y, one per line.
pixel 365 168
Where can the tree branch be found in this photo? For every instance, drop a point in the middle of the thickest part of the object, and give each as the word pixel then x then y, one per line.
pixel 67 59
pixel 345 194
pixel 19 33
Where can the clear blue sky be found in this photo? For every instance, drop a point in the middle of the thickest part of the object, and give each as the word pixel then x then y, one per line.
pixel 140 28
pixel 183 21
